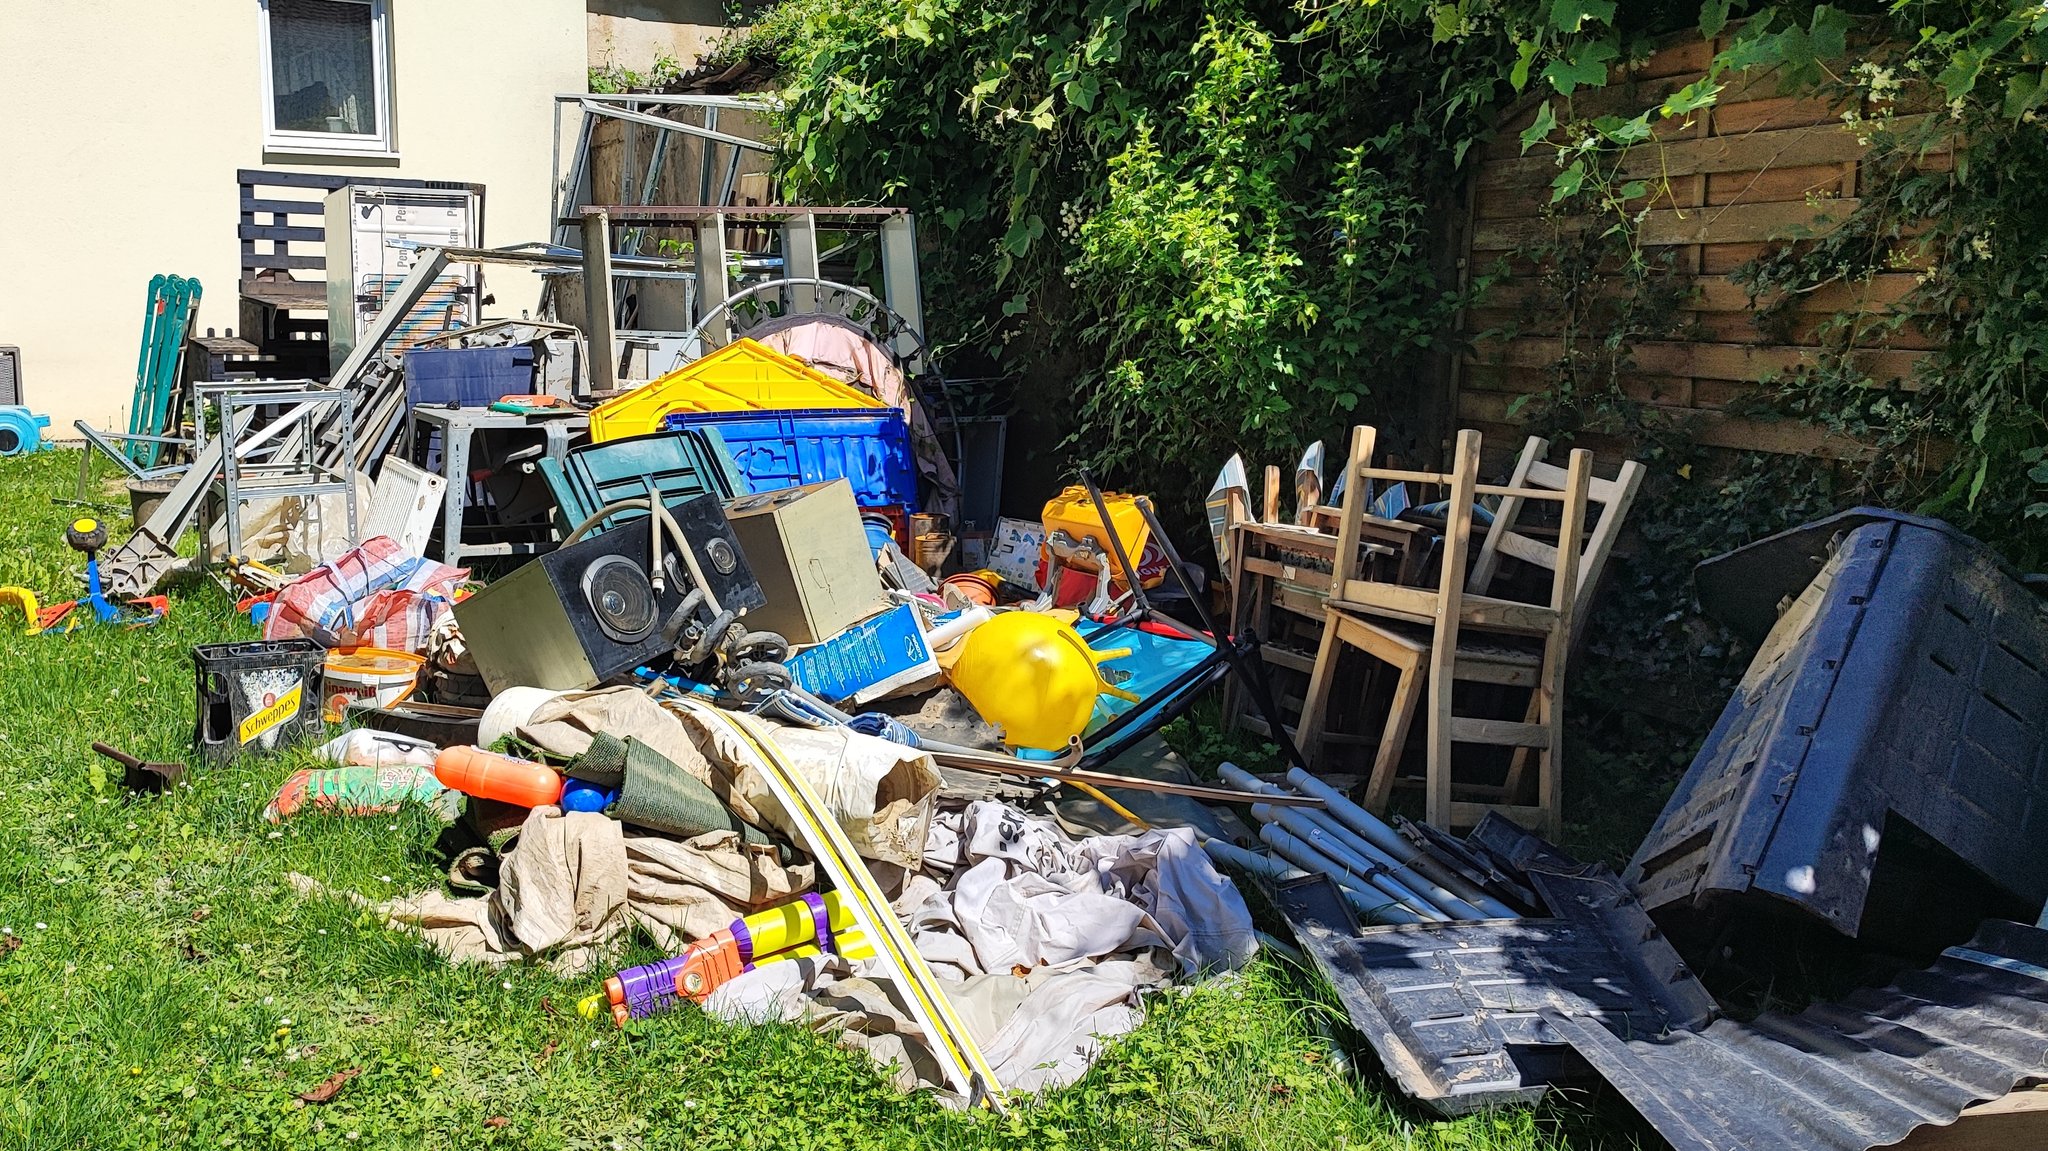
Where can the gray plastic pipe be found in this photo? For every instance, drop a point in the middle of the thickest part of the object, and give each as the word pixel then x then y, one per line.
pixel 1374 831
pixel 1410 876
pixel 1374 871
pixel 1246 780
pixel 1385 907
pixel 1251 861
pixel 1457 899
pixel 1279 870
pixel 1367 881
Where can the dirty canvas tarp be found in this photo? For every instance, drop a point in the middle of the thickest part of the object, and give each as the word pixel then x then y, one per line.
pixel 882 792
pixel 573 882
pixel 1047 943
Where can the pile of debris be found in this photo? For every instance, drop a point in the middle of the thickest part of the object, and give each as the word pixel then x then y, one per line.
pixel 759 677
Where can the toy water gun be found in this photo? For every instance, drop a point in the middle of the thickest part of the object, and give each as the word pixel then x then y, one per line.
pixel 809 926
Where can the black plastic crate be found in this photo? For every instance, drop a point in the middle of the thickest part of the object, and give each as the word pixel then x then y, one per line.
pixel 262 695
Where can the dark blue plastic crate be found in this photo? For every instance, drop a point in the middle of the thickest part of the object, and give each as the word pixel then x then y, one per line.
pixel 467 377
pixel 868 447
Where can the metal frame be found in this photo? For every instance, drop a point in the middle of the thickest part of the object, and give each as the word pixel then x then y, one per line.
pixel 458 428
pixel 714 291
pixel 294 467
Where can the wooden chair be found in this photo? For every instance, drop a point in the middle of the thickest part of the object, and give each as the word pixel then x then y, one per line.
pixel 1279 579
pixel 1459 636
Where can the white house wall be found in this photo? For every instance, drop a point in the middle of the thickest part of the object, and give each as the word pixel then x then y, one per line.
pixel 123 122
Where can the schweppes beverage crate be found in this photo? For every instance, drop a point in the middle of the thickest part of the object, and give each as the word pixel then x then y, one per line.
pixel 256 696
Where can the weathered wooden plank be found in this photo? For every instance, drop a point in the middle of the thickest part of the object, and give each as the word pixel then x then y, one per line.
pixel 283 207
pixel 1775 113
pixel 323 180
pixel 281 232
pixel 1701 360
pixel 1829 143
pixel 1711 429
pixel 1507 299
pixel 1780 185
pixel 1735 224
pixel 281 260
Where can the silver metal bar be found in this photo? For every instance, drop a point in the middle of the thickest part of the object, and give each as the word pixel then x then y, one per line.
pixel 648 184
pixel 800 261
pixel 704 158
pixel 900 287
pixel 727 186
pixel 739 103
pixel 571 192
pixel 96 439
pixel 677 126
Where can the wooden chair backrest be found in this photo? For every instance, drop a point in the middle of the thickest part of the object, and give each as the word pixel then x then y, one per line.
pixel 1454 586
pixel 1460 484
pixel 1502 539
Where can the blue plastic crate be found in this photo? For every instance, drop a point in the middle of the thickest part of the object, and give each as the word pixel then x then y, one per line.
pixel 467 377
pixel 870 448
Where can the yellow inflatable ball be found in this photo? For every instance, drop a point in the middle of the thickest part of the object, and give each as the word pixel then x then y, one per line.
pixel 1034 677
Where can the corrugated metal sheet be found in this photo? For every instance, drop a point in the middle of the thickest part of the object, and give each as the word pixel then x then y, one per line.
pixel 1458 1012
pixel 1861 1072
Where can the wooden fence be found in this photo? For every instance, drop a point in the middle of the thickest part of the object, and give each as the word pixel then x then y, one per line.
pixel 1755 170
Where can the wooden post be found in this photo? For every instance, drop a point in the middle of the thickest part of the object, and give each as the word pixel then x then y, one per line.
pixel 1443 651
pixel 598 309
pixel 1557 645
pixel 712 284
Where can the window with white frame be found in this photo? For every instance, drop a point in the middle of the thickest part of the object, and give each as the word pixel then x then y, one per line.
pixel 327 76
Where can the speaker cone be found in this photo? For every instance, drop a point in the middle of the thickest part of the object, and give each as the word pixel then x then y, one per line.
pixel 621 598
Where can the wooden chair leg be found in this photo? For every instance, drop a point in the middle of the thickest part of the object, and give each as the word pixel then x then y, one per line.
pixel 1518 764
pixel 1549 703
pixel 1394 739
pixel 1316 705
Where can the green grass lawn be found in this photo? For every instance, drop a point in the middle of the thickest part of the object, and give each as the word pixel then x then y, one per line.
pixel 161 985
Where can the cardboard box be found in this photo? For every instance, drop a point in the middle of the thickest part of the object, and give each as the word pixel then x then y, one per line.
pixel 875 658
pixel 809 551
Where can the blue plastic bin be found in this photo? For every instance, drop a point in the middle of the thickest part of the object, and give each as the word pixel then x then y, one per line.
pixel 870 448
pixel 467 377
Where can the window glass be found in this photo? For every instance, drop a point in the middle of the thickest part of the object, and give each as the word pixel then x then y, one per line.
pixel 323 67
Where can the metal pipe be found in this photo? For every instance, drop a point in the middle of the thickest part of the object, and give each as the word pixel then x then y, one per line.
pixel 1381 906
pixel 1375 831
pixel 1365 867
pixel 643 118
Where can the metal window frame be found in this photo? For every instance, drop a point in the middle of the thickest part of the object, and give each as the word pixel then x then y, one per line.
pixel 383 143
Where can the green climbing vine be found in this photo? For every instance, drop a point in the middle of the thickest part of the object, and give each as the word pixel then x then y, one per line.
pixel 1183 229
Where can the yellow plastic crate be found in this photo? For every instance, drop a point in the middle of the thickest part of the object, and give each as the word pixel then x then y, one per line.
pixel 741 375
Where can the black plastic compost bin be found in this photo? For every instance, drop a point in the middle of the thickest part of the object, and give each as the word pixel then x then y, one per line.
pixel 1902 682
